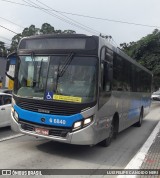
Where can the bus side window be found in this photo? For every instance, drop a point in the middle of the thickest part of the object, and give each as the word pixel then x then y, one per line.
pixel 109 55
pixel 106 78
pixel 108 69
pixel 118 73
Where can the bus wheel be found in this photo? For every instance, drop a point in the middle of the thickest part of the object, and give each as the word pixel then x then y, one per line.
pixel 139 123
pixel 108 140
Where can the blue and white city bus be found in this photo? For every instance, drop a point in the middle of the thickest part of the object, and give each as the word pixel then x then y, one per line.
pixel 76 89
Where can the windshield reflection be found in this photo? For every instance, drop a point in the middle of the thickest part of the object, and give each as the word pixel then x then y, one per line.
pixel 40 79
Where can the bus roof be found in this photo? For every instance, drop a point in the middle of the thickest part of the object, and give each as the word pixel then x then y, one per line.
pixel 98 39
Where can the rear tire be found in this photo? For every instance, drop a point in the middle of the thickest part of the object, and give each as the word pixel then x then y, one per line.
pixel 139 123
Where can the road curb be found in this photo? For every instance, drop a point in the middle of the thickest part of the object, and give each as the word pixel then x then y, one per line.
pixel 138 159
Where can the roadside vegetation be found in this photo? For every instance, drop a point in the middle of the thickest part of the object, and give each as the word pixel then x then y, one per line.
pixel 146 51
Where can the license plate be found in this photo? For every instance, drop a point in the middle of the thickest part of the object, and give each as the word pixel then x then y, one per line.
pixel 42 131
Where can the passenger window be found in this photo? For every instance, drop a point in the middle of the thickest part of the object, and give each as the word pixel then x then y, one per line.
pixel 7 99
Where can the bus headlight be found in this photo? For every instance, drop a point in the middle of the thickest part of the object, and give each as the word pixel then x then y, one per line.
pixel 77 125
pixel 87 121
pixel 81 124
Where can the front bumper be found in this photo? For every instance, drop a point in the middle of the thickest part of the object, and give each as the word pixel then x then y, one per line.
pixel 85 136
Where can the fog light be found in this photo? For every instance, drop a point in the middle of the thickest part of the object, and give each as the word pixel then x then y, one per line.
pixel 77 125
pixel 87 121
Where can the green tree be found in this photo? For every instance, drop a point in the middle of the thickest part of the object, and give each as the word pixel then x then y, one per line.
pixel 3 49
pixel 32 30
pixel 47 29
pixel 69 32
pixel 58 31
pixel 15 41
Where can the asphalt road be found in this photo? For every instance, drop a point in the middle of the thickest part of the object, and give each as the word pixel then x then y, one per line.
pixel 27 152
pixel 6 132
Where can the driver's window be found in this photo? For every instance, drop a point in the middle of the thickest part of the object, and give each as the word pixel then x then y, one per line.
pixel 106 81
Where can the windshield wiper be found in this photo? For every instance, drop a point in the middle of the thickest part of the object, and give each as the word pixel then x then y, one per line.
pixel 33 61
pixel 32 57
pixel 39 73
pixel 61 70
pixel 67 61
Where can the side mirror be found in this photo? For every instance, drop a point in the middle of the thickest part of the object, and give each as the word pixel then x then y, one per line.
pixel 11 61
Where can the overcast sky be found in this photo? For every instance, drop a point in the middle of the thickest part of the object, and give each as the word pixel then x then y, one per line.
pixel 134 11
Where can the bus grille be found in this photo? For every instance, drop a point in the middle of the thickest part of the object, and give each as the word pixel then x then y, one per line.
pixel 59 132
pixel 49 108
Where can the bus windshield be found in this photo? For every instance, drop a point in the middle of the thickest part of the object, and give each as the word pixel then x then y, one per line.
pixel 67 78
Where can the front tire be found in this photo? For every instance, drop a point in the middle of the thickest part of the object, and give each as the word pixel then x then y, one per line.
pixel 106 142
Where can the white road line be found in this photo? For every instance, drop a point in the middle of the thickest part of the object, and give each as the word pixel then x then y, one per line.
pixel 11 137
pixel 138 159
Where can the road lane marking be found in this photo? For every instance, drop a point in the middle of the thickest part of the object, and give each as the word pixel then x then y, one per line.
pixel 138 159
pixel 11 137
